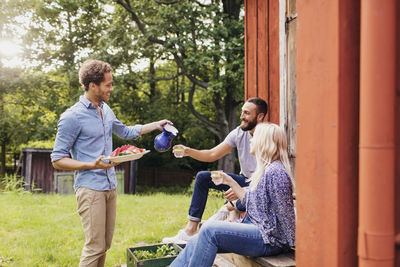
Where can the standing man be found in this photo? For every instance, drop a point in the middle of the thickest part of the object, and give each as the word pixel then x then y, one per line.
pixel 85 131
pixel 253 112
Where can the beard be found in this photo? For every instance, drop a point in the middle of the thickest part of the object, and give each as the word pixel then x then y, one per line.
pixel 248 125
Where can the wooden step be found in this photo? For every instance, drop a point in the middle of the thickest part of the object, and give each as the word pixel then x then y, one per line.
pixel 282 260
pixel 222 262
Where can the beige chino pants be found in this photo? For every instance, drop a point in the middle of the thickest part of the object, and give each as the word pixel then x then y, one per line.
pixel 97 210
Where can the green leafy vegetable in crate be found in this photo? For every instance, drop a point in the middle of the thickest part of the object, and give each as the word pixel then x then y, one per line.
pixel 162 251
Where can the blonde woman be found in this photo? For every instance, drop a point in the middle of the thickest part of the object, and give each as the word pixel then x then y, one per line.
pixel 269 225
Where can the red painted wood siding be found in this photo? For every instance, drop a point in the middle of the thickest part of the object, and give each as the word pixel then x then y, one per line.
pixel 262 53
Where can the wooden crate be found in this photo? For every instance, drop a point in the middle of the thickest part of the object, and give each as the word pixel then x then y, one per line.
pixel 132 261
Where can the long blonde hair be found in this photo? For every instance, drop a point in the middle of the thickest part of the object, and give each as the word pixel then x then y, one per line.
pixel 269 144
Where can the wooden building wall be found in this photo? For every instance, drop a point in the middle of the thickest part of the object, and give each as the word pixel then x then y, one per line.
pixel 37 170
pixel 335 116
pixel 288 96
pixel 262 53
pixel 397 146
pixel 327 134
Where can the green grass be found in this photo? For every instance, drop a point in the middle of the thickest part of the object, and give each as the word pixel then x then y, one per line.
pixel 45 230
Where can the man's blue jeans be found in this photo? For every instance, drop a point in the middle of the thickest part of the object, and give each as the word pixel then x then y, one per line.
pixel 202 184
pixel 221 236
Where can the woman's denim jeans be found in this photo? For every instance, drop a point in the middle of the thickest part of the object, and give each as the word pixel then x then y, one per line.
pixel 202 184
pixel 220 236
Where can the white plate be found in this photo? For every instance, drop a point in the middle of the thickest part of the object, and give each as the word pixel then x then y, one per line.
pixel 124 158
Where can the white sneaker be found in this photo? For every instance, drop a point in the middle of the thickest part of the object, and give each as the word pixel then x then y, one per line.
pixel 181 238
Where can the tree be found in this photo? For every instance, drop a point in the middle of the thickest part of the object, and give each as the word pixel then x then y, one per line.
pixel 30 105
pixel 206 43
pixel 10 126
pixel 194 53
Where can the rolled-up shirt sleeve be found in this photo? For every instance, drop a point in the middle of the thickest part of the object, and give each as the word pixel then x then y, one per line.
pixel 126 132
pixel 120 129
pixel 68 130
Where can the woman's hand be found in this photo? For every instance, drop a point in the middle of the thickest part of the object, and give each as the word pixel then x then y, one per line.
pixel 230 195
pixel 226 179
pixel 217 177
pixel 235 191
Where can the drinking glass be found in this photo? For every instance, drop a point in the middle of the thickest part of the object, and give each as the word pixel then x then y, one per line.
pixel 216 177
pixel 179 152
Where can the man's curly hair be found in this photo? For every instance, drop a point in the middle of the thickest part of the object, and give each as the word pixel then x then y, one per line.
pixel 93 71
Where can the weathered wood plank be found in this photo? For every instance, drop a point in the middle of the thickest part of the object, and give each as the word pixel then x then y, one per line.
pixel 273 61
pixel 239 260
pixel 220 261
pixel 282 260
pixel 290 8
pixel 291 91
pixel 28 171
pixel 262 50
pixel 251 49
pixel 262 63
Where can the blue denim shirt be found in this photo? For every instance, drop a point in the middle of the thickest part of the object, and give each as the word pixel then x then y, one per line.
pixel 83 134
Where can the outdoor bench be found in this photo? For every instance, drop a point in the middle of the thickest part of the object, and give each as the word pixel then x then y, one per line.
pixel 235 260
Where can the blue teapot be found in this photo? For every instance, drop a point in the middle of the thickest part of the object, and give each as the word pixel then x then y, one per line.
pixel 163 141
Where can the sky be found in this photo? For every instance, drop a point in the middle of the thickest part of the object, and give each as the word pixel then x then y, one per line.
pixel 10 53
pixel 11 48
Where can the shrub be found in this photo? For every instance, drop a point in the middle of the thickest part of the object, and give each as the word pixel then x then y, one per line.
pixel 148 190
pixel 5 261
pixel 48 144
pixel 12 183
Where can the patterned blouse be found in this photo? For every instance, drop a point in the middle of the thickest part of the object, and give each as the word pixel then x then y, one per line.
pixel 270 206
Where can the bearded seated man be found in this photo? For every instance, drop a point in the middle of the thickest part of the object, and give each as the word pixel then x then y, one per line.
pixel 254 111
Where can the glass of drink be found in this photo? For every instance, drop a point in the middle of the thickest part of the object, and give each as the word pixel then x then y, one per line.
pixel 178 152
pixel 216 177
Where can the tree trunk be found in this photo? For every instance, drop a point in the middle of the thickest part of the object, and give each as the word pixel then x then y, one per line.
pixel 152 79
pixel 3 140
pixel 230 106
pixel 3 159
pixel 227 163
